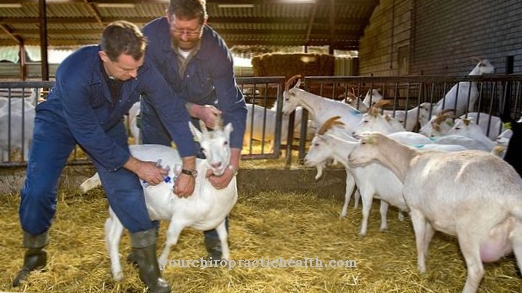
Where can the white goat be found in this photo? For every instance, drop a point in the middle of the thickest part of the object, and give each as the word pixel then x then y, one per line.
pixel 321 109
pixel 491 125
pixel 438 125
pixel 371 180
pixel 351 99
pixel 411 117
pixel 372 97
pixel 468 128
pixel 207 207
pixel 470 194
pixel 16 126
pixel 261 124
pixel 458 96
pixel 373 120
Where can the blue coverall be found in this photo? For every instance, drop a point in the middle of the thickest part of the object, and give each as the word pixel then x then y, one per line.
pixel 80 110
pixel 208 79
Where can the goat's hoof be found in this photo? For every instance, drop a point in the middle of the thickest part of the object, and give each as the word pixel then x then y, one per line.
pixel 118 276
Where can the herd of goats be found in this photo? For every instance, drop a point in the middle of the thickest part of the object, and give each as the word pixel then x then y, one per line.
pixel 450 176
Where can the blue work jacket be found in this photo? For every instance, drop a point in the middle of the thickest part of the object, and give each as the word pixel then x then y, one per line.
pixel 82 98
pixel 208 78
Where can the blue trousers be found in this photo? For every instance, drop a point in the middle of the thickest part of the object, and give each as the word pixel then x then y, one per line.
pixel 153 131
pixel 52 144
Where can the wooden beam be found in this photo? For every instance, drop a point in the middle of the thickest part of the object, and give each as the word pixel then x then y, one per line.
pixel 348 45
pixel 331 26
pixel 310 24
pixel 95 11
pixel 282 32
pixel 212 20
pixel 8 31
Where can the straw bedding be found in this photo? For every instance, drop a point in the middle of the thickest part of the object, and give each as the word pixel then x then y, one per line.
pixel 263 225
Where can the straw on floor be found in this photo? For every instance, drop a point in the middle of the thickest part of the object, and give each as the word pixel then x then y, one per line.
pixel 263 226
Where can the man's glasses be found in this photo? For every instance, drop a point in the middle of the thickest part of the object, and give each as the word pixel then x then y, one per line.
pixel 189 33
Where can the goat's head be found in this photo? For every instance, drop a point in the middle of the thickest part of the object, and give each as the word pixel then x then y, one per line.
pixel 291 95
pixel 483 66
pixel 214 144
pixel 424 113
pixel 366 150
pixel 466 127
pixel 319 153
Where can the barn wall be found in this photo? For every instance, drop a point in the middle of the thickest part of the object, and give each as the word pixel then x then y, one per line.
pixel 386 40
pixel 425 37
pixel 447 33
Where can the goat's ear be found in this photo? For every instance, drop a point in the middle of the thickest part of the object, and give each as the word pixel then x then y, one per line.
pixel 229 128
pixel 197 134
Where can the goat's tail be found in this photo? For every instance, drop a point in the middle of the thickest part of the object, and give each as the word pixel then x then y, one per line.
pixel 90 183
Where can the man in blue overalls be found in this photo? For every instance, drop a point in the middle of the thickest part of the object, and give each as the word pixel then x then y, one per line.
pixel 196 62
pixel 95 86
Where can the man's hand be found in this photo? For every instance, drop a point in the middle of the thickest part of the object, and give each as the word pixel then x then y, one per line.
pixel 206 113
pixel 220 182
pixel 185 184
pixel 151 172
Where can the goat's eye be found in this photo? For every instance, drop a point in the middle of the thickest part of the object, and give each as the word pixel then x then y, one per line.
pixel 201 150
pixel 225 143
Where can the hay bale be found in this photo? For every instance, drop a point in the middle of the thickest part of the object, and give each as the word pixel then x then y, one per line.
pixel 290 64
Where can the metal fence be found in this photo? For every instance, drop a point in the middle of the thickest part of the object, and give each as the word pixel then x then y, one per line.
pixel 406 93
pixel 17 101
pixel 265 94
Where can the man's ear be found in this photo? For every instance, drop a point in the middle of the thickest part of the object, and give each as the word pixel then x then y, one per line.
pixel 103 56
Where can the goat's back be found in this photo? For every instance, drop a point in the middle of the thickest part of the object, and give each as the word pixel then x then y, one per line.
pixel 449 186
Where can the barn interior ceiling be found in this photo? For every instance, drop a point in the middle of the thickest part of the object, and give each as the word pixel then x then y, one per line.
pixel 70 23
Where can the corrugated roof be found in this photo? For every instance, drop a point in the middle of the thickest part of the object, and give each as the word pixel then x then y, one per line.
pixel 338 23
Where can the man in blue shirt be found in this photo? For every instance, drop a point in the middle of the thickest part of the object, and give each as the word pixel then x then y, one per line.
pixel 95 86
pixel 197 64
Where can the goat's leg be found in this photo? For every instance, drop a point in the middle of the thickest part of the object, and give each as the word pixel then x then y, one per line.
pixel 516 241
pixel 419 226
pixel 223 238
pixel 90 183
pixel 357 197
pixel 113 232
pixel 429 232
pixel 367 200
pixel 470 248
pixel 384 211
pixel 173 232
pixel 350 186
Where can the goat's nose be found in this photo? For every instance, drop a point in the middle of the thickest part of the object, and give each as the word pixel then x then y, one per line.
pixel 216 165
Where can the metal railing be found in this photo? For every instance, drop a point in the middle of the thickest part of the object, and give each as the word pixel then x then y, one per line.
pixel 405 93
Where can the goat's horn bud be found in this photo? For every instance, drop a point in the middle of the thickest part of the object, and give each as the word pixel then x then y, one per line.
pixel 288 82
pixel 381 103
pixel 446 111
pixel 219 122
pixel 328 124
